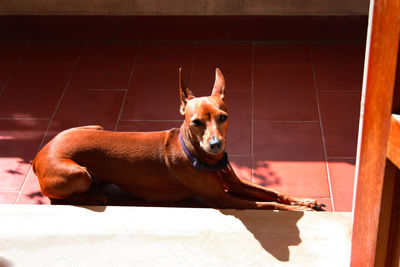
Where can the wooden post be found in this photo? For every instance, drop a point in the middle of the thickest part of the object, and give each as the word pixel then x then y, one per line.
pixel 377 177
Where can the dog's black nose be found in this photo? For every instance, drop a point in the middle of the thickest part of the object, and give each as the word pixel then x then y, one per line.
pixel 215 143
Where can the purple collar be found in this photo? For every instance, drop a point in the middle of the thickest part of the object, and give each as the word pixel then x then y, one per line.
pixel 197 164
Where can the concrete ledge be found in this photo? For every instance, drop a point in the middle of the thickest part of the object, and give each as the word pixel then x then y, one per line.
pixel 184 7
pixel 34 235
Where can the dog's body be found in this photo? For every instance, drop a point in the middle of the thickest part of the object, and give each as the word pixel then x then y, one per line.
pixel 159 166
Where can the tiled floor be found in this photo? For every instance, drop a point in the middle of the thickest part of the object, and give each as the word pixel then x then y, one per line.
pixel 293 96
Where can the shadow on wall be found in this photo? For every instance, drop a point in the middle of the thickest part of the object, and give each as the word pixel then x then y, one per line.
pixel 275 231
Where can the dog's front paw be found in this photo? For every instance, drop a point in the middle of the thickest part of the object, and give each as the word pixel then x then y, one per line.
pixel 310 203
pixel 301 208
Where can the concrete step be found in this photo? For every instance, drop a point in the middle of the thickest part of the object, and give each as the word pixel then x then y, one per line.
pixel 40 235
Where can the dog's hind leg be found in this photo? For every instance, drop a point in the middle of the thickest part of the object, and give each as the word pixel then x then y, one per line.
pixel 70 183
pixel 63 179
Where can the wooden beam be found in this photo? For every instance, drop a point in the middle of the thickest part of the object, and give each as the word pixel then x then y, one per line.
pixel 374 198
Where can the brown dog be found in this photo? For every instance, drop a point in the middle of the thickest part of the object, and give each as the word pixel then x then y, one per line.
pixel 159 166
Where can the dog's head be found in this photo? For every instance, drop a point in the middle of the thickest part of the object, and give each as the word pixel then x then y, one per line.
pixel 206 118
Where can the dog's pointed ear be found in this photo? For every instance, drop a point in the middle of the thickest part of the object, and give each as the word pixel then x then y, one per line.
pixel 184 92
pixel 219 85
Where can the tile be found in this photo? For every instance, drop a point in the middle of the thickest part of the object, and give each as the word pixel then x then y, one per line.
pixel 342 180
pixel 154 91
pixel 19 142
pixel 289 157
pixel 173 28
pixel 239 133
pixel 242 166
pixel 34 90
pixel 284 92
pixel 292 141
pixel 87 107
pixel 340 117
pixel 59 28
pixel 56 52
pixel 31 193
pixel 8 197
pixel 287 53
pixel 105 66
pixel 285 28
pixel 233 59
pixel 338 66
pixel 10 53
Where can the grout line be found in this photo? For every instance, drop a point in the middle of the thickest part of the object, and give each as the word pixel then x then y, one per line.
pixel 322 131
pixel 19 61
pixel 193 41
pixel 223 42
pixel 238 155
pixel 44 63
pixel 42 119
pixel 23 185
pixel 105 89
pixel 252 113
pixel 309 42
pixel 112 41
pixel 138 120
pixel 283 121
pixel 340 91
pixel 335 158
pixel 129 84
pixel 257 42
pixel 49 41
pixel 207 90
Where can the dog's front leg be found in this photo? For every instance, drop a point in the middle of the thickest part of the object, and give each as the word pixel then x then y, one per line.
pixel 261 193
pixel 245 188
pixel 211 189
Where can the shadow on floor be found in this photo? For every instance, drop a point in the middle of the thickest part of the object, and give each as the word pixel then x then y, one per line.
pixel 275 231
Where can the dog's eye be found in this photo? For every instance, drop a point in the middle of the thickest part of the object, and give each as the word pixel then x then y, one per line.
pixel 222 118
pixel 197 123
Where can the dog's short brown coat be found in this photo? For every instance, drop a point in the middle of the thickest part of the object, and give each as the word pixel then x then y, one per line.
pixel 153 165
